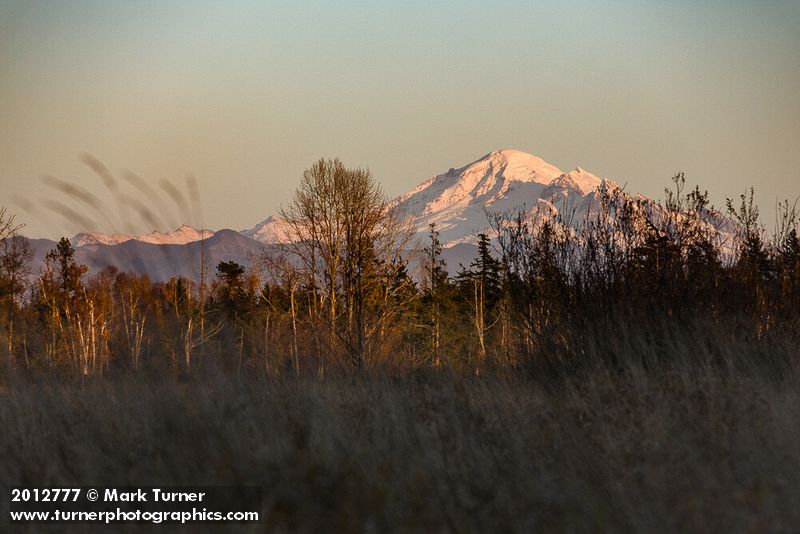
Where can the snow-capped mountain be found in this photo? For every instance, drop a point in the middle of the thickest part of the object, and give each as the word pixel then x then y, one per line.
pixel 91 238
pixel 154 255
pixel 180 236
pixel 161 261
pixel 271 230
pixel 461 200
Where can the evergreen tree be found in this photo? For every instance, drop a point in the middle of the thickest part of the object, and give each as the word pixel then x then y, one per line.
pixel 436 283
pixel 63 271
pixel 231 294
pixel 479 285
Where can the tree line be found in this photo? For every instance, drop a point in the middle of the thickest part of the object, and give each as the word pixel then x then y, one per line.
pixel 351 289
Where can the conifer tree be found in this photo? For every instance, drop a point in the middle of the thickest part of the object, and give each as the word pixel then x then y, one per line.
pixel 480 285
pixel 435 285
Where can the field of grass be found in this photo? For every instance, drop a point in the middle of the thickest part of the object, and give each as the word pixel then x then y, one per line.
pixel 680 447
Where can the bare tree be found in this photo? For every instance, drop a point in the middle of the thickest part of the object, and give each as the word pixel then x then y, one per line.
pixel 349 241
pixel 281 271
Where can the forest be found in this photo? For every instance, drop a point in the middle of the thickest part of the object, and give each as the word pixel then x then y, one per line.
pixel 625 368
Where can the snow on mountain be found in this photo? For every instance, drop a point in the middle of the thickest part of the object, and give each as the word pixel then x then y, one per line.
pixel 271 230
pixel 181 236
pixel 502 181
pixel 88 238
pixel 586 181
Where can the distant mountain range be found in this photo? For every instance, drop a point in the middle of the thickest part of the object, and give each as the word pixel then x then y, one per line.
pixel 458 201
pixel 157 260
pixel 182 236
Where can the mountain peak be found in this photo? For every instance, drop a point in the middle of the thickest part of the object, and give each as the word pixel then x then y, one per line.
pixel 508 153
pixel 180 236
pixel 586 181
pixel 515 165
pixel 271 230
pixel 457 200
pixel 96 238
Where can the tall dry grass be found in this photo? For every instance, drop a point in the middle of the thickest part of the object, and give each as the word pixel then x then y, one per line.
pixel 704 444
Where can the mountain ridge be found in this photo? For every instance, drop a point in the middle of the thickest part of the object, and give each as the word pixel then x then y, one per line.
pixel 459 201
pixel 182 235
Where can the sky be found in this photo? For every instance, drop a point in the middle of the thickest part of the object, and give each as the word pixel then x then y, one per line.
pixel 244 95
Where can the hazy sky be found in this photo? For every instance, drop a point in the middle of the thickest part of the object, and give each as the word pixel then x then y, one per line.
pixel 245 95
